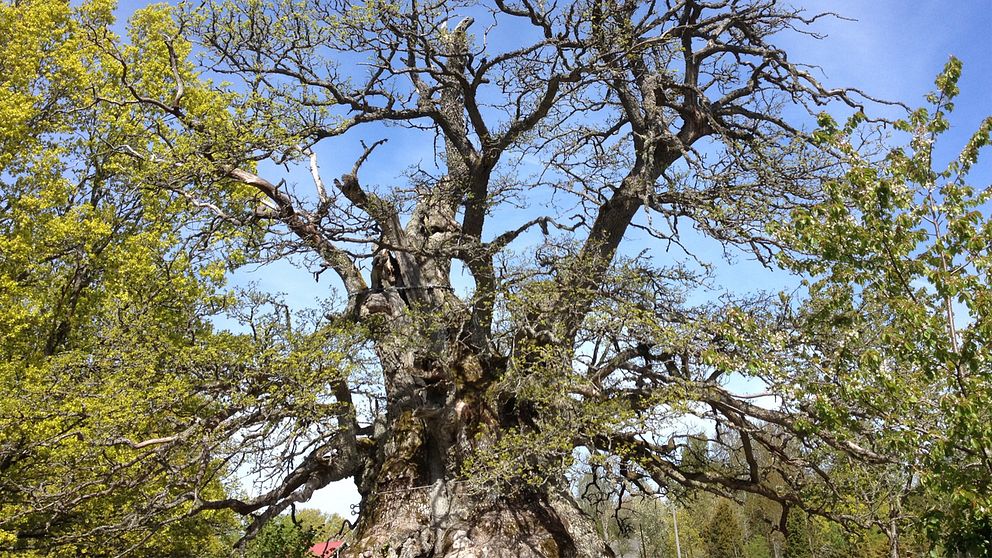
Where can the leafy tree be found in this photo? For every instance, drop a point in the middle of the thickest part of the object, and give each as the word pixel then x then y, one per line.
pixel 798 539
pixel 292 535
pixel 119 403
pixel 651 528
pixel 324 526
pixel 899 319
pixel 95 296
pixel 724 536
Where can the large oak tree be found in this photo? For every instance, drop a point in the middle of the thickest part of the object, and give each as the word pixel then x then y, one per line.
pixel 561 133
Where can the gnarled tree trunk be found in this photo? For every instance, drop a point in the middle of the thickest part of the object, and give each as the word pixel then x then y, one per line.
pixel 416 502
pixel 443 520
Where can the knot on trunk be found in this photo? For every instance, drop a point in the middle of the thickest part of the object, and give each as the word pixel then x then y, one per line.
pixel 375 303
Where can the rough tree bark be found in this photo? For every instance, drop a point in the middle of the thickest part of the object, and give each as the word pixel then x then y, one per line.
pixel 438 413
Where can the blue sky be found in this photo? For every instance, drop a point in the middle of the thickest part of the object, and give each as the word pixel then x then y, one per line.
pixel 893 51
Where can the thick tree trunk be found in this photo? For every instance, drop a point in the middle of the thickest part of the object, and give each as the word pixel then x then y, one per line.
pixel 443 520
pixel 416 503
pixel 415 500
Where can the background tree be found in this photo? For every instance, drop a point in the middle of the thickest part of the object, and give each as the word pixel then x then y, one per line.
pixel 291 535
pixel 724 536
pixel 798 542
pixel 901 247
pixel 96 291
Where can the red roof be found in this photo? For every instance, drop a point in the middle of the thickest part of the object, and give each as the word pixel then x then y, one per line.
pixel 325 549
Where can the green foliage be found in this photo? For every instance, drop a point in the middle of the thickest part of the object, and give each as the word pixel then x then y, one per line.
pixel 900 313
pixel 797 541
pixel 292 535
pixel 724 536
pixel 757 547
pixel 119 401
pixel 80 274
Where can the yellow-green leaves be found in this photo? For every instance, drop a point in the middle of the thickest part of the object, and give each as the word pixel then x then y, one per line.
pixel 107 286
pixel 37 59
